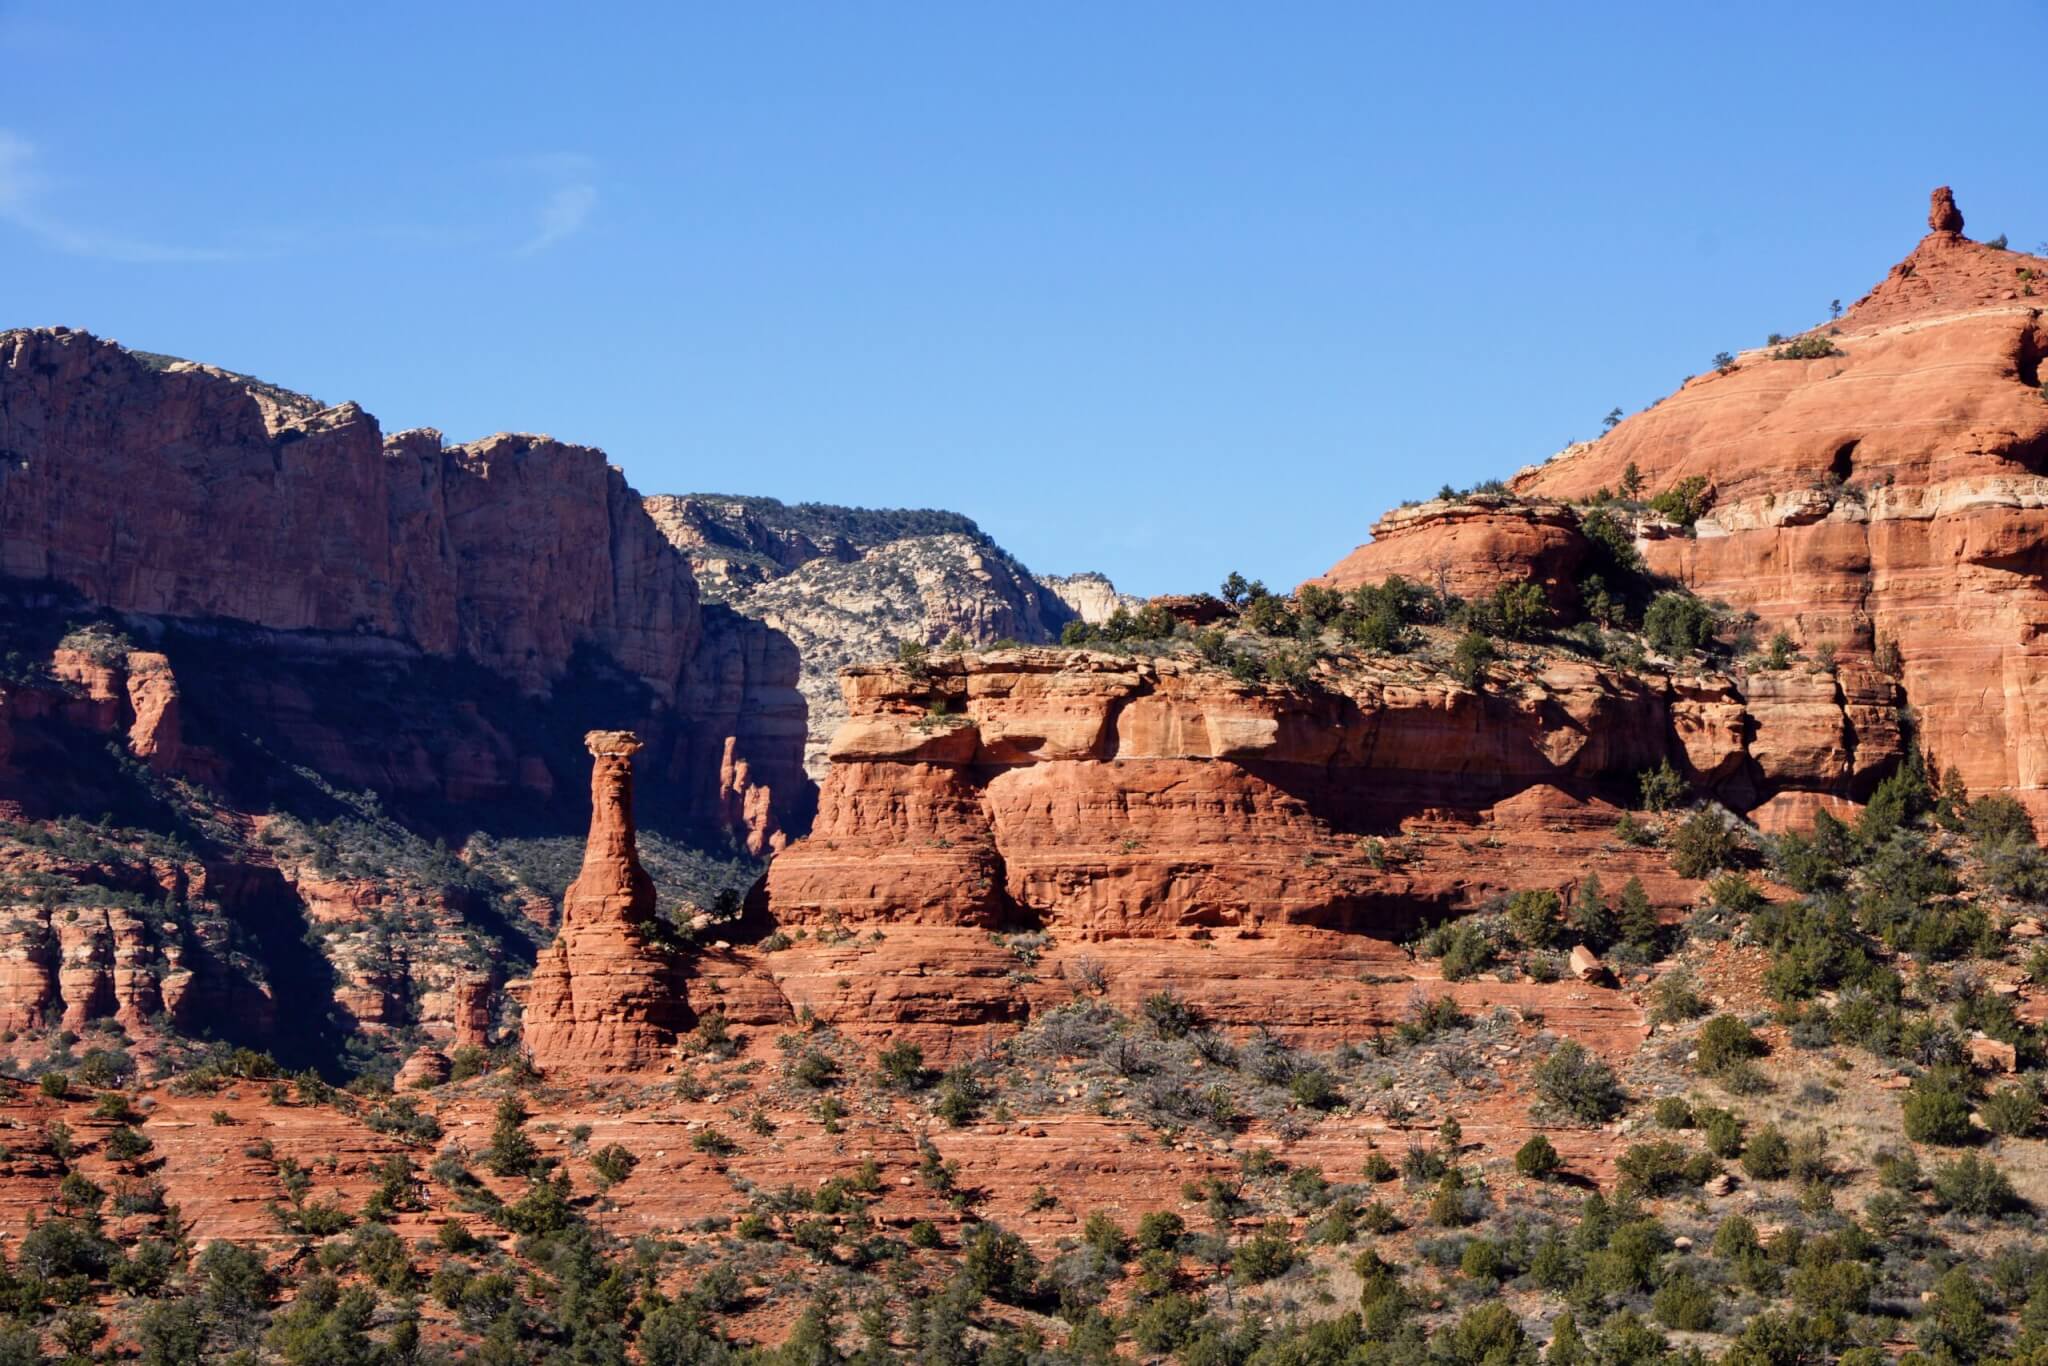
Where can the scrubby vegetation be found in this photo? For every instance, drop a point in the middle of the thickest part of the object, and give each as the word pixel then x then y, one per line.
pixel 1616 612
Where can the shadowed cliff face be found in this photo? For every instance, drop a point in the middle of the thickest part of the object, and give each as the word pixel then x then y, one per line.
pixel 350 671
pixel 519 555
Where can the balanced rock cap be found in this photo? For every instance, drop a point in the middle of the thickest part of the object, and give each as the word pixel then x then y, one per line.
pixel 622 743
pixel 1942 213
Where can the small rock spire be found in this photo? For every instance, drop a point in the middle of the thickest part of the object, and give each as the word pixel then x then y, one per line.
pixel 1942 213
pixel 612 883
pixel 605 997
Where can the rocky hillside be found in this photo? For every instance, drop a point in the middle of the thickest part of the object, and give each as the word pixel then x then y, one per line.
pixel 1874 488
pixel 850 585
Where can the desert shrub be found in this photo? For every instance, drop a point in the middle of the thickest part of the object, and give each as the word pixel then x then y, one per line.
pixel 1736 893
pixel 1812 346
pixel 1455 1202
pixel 114 1106
pixel 1489 1334
pixel 512 1151
pixel 1767 1156
pixel 56 1248
pixel 1262 1256
pixel 961 1096
pixel 125 1144
pixel 1723 1130
pixel 1897 802
pixel 1462 949
pixel 1898 1170
pixel 713 1037
pixel 1675 997
pixel 1724 1041
pixel 1813 862
pixel 1974 1186
pixel 1678 624
pixel 1704 844
pixel 1532 917
pixel 1170 1016
pixel 1591 918
pixel 814 1069
pixel 901 1066
pixel 1160 1230
pixel 714 1142
pixel 77 1191
pixel 1313 1089
pixel 1579 1084
pixel 1164 1324
pixel 1684 1304
pixel 1997 819
pixel 613 1163
pixel 1684 502
pixel 1471 657
pixel 1636 834
pixel 1673 1112
pixel 1635 919
pixel 1538 1158
pixel 1937 1107
pixel 1956 1322
pixel 2018 869
pixel 2012 1111
pixel 1660 787
pixel 1661 1167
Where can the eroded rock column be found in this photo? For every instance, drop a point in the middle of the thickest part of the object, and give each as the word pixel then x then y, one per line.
pixel 606 997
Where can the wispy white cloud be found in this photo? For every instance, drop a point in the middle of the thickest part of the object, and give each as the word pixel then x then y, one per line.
pixel 567 181
pixel 562 215
pixel 22 191
pixel 571 181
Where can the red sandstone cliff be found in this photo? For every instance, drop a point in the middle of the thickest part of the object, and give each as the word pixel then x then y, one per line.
pixel 1887 494
pixel 1891 492
pixel 1261 850
pixel 186 494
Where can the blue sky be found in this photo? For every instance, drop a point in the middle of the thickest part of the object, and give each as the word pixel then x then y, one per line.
pixel 1157 289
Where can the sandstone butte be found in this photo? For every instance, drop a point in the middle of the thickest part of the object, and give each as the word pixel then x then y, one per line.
pixel 1885 499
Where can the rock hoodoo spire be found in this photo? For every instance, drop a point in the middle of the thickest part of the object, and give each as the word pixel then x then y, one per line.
pixel 1942 213
pixel 612 882
pixel 605 998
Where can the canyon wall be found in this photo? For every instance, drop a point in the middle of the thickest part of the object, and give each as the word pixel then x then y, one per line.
pixel 519 554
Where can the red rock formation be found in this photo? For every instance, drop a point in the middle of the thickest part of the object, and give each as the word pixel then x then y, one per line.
pixel 1469 548
pixel 1889 494
pixel 1254 848
pixel 1942 213
pixel 605 997
pixel 265 509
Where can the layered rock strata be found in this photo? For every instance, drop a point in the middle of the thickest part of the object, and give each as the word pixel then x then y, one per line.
pixel 1000 830
pixel 265 512
pixel 1883 495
